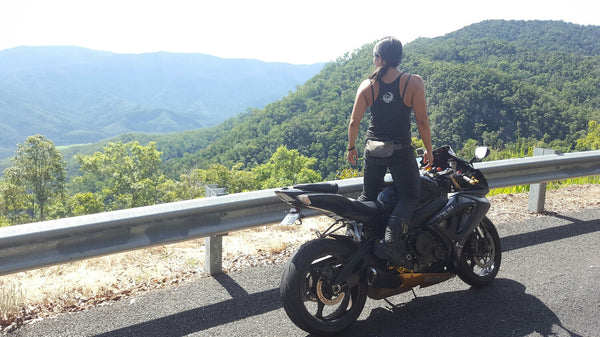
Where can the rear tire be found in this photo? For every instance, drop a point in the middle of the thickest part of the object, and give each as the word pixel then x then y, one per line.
pixel 310 299
pixel 480 260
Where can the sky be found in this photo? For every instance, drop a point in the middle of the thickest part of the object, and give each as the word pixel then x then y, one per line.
pixel 299 32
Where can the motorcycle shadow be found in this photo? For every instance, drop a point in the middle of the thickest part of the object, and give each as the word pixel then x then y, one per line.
pixel 501 309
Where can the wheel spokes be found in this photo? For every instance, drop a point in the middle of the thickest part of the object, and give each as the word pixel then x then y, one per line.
pixel 321 299
pixel 482 253
pixel 320 307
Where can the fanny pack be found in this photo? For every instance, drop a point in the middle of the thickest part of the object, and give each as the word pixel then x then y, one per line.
pixel 383 149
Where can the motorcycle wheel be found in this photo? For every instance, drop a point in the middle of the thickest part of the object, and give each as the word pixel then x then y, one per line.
pixel 481 255
pixel 310 299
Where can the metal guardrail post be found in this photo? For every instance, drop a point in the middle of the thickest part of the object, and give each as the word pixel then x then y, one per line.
pixel 214 243
pixel 537 192
pixel 214 254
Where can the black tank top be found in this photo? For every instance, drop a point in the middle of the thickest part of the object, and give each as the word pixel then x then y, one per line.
pixel 390 117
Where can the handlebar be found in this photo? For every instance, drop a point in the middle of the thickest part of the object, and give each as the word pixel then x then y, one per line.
pixel 454 173
pixel 451 176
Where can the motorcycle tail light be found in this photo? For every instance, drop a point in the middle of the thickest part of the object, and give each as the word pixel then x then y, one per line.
pixel 285 197
pixel 304 199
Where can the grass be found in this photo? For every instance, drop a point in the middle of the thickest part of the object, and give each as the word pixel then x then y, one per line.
pixel 550 186
pixel 36 294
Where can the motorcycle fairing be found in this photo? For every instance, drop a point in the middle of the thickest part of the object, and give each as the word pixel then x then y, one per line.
pixel 461 215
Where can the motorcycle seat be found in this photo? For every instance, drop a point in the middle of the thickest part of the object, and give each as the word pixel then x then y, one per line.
pixel 368 207
pixel 318 187
pixel 344 206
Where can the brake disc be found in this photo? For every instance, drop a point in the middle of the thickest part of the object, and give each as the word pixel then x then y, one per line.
pixel 336 298
pixel 485 259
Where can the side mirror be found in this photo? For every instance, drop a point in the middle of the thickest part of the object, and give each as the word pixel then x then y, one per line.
pixel 480 153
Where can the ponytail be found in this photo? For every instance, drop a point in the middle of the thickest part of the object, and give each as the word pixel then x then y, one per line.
pixel 379 73
pixel 390 50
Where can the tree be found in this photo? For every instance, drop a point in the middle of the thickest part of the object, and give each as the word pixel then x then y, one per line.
pixel 40 170
pixel 12 203
pixel 348 173
pixel 193 184
pixel 592 140
pixel 85 203
pixel 128 175
pixel 285 168
pixel 468 149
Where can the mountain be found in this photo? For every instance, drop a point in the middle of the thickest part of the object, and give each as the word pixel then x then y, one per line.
pixel 549 36
pixel 74 95
pixel 499 81
pixel 495 83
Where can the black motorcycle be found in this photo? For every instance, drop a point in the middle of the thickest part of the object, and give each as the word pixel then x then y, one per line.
pixel 326 282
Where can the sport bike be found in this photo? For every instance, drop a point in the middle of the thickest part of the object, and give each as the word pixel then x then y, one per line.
pixel 327 280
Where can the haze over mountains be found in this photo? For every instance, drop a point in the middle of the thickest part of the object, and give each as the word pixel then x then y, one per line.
pixel 75 95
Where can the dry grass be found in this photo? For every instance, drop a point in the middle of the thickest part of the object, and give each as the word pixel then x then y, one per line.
pixel 33 295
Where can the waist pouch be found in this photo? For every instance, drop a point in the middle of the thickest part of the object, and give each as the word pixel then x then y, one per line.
pixel 383 149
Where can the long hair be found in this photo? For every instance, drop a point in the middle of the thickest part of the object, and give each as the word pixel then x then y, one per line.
pixel 390 50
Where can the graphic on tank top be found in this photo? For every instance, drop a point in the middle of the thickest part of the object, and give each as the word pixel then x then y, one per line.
pixel 390 116
pixel 388 97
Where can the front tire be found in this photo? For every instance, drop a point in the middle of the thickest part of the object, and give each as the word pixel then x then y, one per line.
pixel 480 259
pixel 310 298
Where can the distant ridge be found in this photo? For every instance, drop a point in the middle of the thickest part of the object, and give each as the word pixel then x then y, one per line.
pixel 545 35
pixel 76 95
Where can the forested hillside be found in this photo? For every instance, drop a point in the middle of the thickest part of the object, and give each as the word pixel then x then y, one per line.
pixel 74 95
pixel 510 85
pixel 496 82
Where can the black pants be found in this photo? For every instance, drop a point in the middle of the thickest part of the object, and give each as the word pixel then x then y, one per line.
pixel 405 173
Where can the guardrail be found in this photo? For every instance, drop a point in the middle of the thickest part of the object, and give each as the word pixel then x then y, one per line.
pixel 40 244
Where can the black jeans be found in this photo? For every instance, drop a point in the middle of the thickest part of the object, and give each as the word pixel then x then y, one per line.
pixel 405 173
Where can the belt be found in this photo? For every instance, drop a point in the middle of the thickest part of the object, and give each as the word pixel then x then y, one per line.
pixel 400 146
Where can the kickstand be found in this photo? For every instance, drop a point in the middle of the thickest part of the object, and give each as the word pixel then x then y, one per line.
pixel 395 306
pixel 392 305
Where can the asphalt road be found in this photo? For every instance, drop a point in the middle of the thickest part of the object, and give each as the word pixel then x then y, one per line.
pixel 548 285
